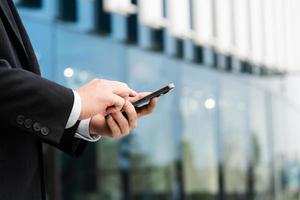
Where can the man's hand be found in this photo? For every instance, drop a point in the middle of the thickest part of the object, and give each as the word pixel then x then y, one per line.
pixel 101 97
pixel 147 109
pixel 116 125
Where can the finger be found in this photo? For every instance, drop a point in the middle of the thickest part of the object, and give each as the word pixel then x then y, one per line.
pixel 122 122
pixel 116 104
pixel 138 96
pixel 147 109
pixel 131 114
pixel 113 126
pixel 122 89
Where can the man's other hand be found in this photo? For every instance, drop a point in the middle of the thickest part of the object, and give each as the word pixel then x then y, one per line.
pixel 116 125
pixel 147 109
pixel 101 97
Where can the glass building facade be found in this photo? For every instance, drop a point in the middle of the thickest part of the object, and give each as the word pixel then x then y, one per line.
pixel 220 135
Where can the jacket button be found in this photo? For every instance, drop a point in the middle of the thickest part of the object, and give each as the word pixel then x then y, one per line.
pixel 28 123
pixel 44 131
pixel 36 126
pixel 20 119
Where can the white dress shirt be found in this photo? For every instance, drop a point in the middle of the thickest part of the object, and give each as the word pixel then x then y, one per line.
pixel 83 131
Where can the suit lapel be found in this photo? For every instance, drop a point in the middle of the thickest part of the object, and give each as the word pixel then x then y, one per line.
pixel 9 18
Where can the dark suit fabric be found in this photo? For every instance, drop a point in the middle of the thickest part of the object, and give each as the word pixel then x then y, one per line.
pixel 33 110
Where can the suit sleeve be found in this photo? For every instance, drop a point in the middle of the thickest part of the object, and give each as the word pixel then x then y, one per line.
pixel 37 106
pixel 70 144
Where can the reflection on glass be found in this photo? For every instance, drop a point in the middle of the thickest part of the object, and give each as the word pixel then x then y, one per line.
pixel 68 72
pixel 200 175
pixel 260 142
pixel 153 153
pixel 233 105
pixel 210 103
pixel 280 147
pixel 108 170
pixel 287 157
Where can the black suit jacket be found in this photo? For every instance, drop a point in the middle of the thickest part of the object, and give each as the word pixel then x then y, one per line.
pixel 32 110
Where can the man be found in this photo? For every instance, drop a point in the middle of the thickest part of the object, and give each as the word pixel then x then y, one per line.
pixel 34 110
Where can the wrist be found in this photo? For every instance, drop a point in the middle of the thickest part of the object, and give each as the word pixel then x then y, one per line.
pixel 92 128
pixel 81 115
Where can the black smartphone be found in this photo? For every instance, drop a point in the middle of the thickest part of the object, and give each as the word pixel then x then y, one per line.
pixel 158 93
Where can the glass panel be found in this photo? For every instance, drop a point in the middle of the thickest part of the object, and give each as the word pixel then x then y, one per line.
pixel 102 179
pixel 233 115
pixel 261 145
pixel 198 104
pixel 154 144
pixel 30 3
pixel 43 44
pixel 102 19
pixel 68 10
pixel 290 163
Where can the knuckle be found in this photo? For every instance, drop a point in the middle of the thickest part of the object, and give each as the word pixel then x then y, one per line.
pixel 116 133
pixel 99 83
pixel 126 105
pixel 122 84
pixel 96 81
pixel 124 128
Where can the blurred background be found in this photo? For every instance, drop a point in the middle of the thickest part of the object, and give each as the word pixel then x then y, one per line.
pixel 230 129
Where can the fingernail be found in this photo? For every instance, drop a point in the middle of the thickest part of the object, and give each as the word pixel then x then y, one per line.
pixel 134 93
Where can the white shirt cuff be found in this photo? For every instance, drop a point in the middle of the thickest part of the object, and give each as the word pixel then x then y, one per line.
pixel 76 110
pixel 83 131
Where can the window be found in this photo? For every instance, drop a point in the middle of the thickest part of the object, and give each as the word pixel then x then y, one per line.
pixel 261 155
pixel 233 117
pixel 102 19
pixel 30 3
pixel 199 143
pixel 68 10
